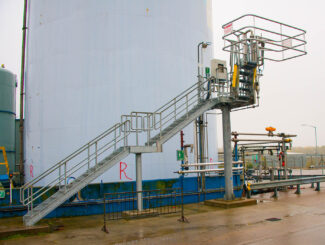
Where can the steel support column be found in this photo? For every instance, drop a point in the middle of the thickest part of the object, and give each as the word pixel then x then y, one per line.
pixel 138 162
pixel 298 191
pixel 229 190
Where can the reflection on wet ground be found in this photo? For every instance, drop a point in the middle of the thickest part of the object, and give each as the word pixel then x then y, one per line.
pixel 290 219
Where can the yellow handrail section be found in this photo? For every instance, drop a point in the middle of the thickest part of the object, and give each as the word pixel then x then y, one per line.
pixel 5 159
pixel 235 76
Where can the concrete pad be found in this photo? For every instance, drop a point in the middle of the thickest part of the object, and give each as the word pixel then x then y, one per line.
pixel 290 219
pixel 220 203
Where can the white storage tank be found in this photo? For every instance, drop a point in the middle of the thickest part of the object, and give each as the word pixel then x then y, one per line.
pixel 89 62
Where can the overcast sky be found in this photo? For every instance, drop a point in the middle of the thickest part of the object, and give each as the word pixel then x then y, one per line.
pixel 292 92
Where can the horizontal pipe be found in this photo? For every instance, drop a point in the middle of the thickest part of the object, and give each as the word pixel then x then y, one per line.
pixel 256 143
pixel 281 183
pixel 263 140
pixel 208 164
pixel 259 134
pixel 206 170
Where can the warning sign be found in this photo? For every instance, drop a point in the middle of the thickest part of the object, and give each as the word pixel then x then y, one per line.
pixel 287 43
pixel 227 29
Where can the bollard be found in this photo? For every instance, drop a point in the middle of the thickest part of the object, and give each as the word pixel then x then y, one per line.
pixel 248 193
pixel 317 186
pixel 312 185
pixel 272 174
pixel 298 190
pixel 275 195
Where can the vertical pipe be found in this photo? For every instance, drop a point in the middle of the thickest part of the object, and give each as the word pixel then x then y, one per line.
pixel 22 85
pixel 10 191
pixel 202 149
pixel 236 148
pixel 207 157
pixel 182 177
pixel 196 158
pixel 259 166
pixel 244 164
pixel 229 195
pixel 284 150
pixel 195 142
pixel 138 162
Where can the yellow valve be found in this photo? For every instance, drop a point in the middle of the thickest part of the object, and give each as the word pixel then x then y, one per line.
pixel 270 129
pixel 287 140
pixel 249 186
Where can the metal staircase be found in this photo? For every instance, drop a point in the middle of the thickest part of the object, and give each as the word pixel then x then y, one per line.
pixel 69 190
pixel 131 135
pixel 145 132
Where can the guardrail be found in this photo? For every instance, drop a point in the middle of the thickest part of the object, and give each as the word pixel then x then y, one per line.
pixel 284 183
pixel 124 205
pixel 93 152
pixel 274 40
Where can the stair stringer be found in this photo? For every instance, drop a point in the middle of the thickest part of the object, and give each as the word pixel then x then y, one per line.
pixel 61 196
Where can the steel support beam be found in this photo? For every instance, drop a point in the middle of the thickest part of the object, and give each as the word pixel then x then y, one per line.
pixel 229 190
pixel 138 162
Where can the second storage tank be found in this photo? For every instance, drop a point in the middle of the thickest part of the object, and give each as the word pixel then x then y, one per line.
pixel 7 117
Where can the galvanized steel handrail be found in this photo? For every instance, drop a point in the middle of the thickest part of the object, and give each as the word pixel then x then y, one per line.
pixel 238 37
pixel 260 17
pixel 62 177
pixel 149 121
pixel 183 102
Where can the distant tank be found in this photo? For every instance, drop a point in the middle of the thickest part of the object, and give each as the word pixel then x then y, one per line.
pixel 7 117
pixel 89 62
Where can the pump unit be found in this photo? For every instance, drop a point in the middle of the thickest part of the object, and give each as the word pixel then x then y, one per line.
pixel 219 69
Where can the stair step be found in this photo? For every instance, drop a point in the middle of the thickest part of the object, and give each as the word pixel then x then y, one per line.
pixel 245 81
pixel 242 97
pixel 245 73
pixel 249 65
pixel 245 89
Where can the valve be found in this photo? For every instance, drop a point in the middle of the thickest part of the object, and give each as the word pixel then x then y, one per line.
pixel 270 129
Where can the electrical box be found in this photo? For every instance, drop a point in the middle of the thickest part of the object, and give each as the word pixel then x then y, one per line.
pixel 219 69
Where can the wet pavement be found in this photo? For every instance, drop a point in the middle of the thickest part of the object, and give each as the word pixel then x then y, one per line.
pixel 291 219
